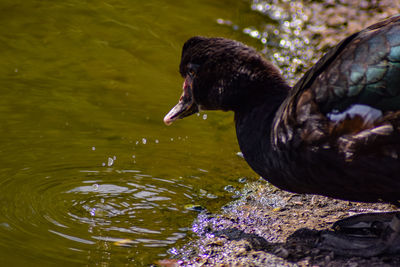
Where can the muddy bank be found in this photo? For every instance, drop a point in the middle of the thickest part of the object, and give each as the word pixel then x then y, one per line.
pixel 270 227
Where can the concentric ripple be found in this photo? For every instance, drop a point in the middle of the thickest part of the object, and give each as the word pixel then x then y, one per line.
pixel 93 212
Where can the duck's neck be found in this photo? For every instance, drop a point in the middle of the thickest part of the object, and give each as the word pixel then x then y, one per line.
pixel 253 129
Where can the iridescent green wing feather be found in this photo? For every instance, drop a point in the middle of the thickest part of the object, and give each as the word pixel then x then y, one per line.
pixel 363 69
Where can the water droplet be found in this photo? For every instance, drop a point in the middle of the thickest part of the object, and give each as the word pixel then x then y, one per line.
pixel 211 196
pixel 229 188
pixel 172 139
pixel 204 116
pixel 255 34
pixel 133 156
pixel 93 212
pixel 242 180
pixel 110 162
pixel 144 141
pixel 156 141
pixel 173 251
pixel 93 148
pixel 286 23
pixel 115 157
pixel 95 186
pixel 246 30
pixel 103 164
pixel 137 142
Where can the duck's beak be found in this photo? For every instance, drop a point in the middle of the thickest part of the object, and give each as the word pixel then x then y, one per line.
pixel 186 105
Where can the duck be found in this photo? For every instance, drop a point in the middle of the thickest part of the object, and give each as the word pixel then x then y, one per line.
pixel 335 133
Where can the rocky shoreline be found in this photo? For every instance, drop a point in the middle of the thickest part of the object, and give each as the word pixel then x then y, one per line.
pixel 270 227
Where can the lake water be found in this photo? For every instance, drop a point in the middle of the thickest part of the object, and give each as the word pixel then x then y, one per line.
pixel 89 173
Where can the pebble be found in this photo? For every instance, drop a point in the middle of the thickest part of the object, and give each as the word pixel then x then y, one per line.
pixel 241 252
pixel 281 252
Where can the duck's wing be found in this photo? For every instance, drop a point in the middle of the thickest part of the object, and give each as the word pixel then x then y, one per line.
pixel 350 99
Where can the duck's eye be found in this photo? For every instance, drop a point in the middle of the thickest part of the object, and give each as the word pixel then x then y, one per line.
pixel 192 69
pixel 191 72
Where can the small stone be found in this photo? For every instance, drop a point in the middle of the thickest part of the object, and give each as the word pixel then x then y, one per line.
pixel 327 259
pixel 315 251
pixel 219 242
pixel 281 252
pixel 241 252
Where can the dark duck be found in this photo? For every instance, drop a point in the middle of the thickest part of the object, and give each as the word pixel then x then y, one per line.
pixel 335 133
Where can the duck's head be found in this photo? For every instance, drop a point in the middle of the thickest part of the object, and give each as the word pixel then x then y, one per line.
pixel 222 74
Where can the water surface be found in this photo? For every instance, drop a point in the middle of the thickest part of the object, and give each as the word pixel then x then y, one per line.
pixel 89 174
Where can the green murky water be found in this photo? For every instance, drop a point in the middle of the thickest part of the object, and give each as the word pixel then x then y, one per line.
pixel 89 174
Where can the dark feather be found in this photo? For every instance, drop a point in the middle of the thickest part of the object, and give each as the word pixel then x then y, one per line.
pixel 363 69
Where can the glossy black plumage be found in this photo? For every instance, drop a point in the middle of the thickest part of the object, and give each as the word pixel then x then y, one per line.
pixel 335 133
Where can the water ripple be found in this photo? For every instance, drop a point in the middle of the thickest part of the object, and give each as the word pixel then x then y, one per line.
pixel 85 207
